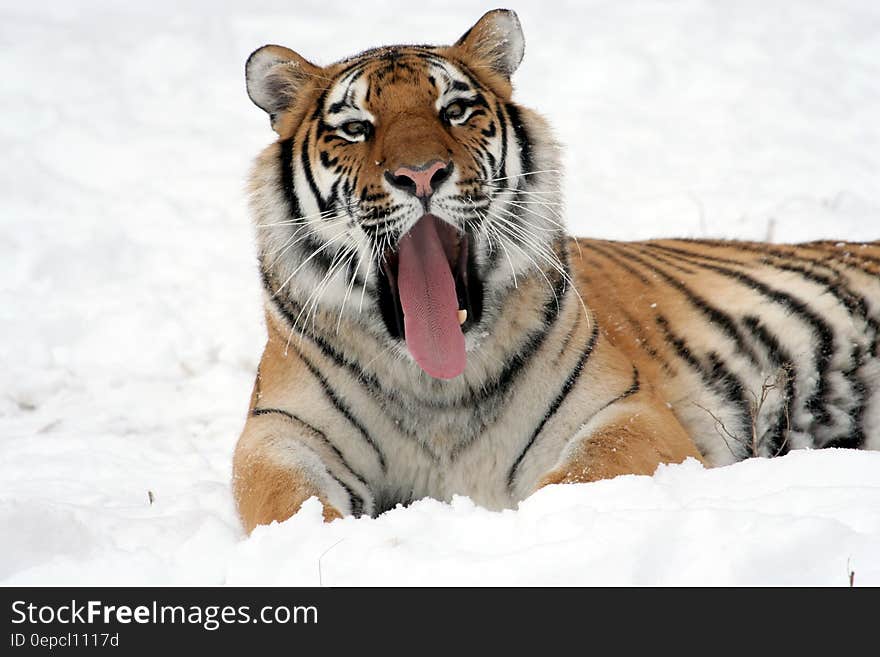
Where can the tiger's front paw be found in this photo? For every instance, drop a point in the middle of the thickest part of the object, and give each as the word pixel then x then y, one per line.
pixel 279 508
pixel 265 492
pixel 567 476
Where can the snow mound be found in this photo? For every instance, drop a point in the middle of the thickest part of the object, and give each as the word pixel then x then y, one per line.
pixel 809 518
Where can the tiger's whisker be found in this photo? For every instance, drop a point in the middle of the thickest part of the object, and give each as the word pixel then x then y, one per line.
pixel 522 175
pixel 315 253
pixel 536 266
pixel 290 243
pixel 506 253
pixel 297 220
pixel 549 257
pixel 311 305
pixel 351 286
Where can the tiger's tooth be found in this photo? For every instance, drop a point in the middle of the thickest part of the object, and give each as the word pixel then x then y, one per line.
pixel 462 316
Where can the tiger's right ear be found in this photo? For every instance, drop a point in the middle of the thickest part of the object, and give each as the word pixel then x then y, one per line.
pixel 275 76
pixel 496 40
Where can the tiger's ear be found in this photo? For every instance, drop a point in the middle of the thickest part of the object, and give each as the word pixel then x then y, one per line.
pixel 275 76
pixel 497 40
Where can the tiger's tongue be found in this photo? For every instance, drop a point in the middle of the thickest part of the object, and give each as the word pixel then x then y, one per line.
pixel 430 305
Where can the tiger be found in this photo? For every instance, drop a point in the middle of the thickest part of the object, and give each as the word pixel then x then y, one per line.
pixel 433 330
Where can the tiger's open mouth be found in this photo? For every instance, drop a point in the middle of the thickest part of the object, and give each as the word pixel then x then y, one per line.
pixel 430 293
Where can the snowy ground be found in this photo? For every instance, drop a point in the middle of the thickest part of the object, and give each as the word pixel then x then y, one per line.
pixel 130 306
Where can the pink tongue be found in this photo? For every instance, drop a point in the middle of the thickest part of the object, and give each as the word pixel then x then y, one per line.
pixel 430 306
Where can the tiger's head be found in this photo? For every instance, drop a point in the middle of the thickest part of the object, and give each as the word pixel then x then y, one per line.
pixel 407 192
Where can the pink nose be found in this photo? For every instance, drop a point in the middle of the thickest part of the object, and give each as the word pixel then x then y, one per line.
pixel 420 181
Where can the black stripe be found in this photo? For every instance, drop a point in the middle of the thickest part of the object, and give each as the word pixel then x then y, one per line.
pixel 670 250
pixel 796 252
pixel 358 61
pixel 854 436
pixel 532 342
pixel 678 344
pixel 592 246
pixel 570 381
pixel 716 317
pixel 634 387
pixel 316 249
pixel 716 377
pixel 289 315
pixel 502 121
pixel 671 263
pixel 354 78
pixel 490 161
pixel 327 161
pixel 493 254
pixel 334 192
pixel 344 410
pixel 522 137
pixel 776 437
pixel 371 384
pixel 288 309
pixel 287 184
pixel 319 105
pixel 857 307
pixel 338 106
pixel 720 376
pixel 644 343
pixel 464 68
pixel 817 403
pixel 307 169
pixel 855 304
pixel 851 252
pixel 852 300
pixel 356 501
pixel 498 387
pixel 568 337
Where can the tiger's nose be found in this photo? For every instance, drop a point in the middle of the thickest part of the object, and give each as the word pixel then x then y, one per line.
pixel 420 181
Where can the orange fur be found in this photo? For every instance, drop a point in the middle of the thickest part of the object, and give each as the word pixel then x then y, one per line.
pixel 635 292
pixel 626 306
pixel 266 491
pixel 636 444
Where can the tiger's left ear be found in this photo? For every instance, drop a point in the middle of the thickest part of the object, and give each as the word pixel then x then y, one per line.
pixel 496 40
pixel 276 77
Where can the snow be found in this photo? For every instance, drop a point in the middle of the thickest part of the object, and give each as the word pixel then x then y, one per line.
pixel 130 304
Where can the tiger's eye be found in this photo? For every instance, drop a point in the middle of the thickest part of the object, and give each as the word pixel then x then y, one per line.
pixel 454 110
pixel 355 128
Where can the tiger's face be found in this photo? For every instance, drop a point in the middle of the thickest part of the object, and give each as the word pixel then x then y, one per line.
pixel 407 182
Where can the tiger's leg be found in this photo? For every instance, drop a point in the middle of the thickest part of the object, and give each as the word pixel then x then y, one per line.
pixel 275 470
pixel 632 436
